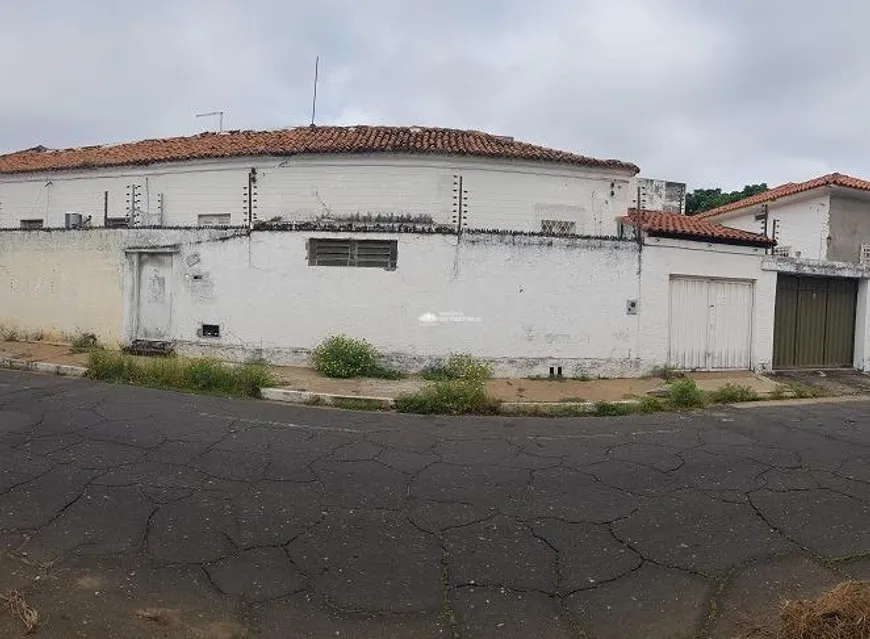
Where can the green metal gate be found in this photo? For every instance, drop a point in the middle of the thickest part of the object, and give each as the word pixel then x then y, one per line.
pixel 814 323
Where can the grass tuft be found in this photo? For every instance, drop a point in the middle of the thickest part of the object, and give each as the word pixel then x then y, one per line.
pixel 84 342
pixel 198 375
pixel 612 409
pixel 732 394
pixel 458 388
pixel 451 397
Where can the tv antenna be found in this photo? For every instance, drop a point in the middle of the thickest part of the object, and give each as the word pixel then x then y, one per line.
pixel 220 115
pixel 314 99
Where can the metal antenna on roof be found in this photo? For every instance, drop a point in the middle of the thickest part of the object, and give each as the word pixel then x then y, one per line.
pixel 220 115
pixel 314 99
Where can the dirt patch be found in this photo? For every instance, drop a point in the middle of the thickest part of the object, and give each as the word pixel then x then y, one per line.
pixel 842 613
pixel 836 383
pixel 108 598
pixel 43 352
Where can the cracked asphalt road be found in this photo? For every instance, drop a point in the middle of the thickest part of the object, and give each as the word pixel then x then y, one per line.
pixel 129 512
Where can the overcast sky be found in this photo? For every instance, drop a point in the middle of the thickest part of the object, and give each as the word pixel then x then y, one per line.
pixel 709 92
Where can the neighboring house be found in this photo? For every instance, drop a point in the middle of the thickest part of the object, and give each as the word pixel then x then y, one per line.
pixel 822 230
pixel 827 218
pixel 422 176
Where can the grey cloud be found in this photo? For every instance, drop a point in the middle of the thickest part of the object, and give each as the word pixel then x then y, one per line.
pixel 714 92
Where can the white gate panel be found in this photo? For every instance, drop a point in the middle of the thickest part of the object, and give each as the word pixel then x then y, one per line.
pixel 688 324
pixel 730 342
pixel 710 324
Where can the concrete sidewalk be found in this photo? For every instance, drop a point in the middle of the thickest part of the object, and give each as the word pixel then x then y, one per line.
pixel 304 385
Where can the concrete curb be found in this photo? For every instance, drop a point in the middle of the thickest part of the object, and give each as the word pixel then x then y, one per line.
pixel 64 370
pixel 321 399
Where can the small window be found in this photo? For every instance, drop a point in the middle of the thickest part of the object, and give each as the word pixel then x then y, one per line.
pixel 558 227
pixel 214 219
pixel 347 252
pixel 782 251
pixel 30 225
pixel 865 255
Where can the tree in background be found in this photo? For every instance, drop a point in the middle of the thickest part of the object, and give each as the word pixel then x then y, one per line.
pixel 701 200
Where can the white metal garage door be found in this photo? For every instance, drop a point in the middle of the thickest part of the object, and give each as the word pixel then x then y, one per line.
pixel 710 324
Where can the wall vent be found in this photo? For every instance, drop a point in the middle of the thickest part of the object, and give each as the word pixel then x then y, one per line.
pixel 210 330
pixel 558 227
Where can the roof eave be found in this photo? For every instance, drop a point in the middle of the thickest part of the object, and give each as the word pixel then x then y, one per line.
pixel 733 241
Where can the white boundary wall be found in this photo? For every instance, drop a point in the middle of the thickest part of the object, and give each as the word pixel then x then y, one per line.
pixel 526 303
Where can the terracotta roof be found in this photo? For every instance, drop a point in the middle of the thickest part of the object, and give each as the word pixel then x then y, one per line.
pixel 297 141
pixel 675 225
pixel 792 188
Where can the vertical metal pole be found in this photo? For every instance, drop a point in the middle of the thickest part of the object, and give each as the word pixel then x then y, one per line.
pixel 314 99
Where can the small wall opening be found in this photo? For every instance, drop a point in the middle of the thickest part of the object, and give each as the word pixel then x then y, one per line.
pixel 210 330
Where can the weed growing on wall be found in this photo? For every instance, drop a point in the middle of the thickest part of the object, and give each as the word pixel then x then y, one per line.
pixel 199 375
pixel 344 357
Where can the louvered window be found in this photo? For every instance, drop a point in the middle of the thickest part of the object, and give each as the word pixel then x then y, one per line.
pixel 347 252
pixel 558 227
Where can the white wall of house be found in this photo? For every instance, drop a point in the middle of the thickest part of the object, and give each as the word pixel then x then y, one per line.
pixel 501 194
pixel 802 223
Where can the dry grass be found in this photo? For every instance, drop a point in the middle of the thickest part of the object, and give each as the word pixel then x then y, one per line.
pixel 15 603
pixel 842 613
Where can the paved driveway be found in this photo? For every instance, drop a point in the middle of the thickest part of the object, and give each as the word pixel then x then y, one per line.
pixel 128 512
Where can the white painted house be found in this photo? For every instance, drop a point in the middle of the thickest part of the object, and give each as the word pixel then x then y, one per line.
pixel 424 241
pixel 822 258
pixel 239 178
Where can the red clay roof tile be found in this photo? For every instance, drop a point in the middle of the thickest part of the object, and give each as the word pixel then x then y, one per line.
pixel 675 225
pixel 792 188
pixel 298 141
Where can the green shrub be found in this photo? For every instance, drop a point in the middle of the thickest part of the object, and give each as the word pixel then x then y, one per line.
pixel 649 404
pixel 9 334
pixel 344 357
pixel 451 397
pixel 685 394
pixel 200 375
pixel 612 409
pixel 732 394
pixel 461 366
